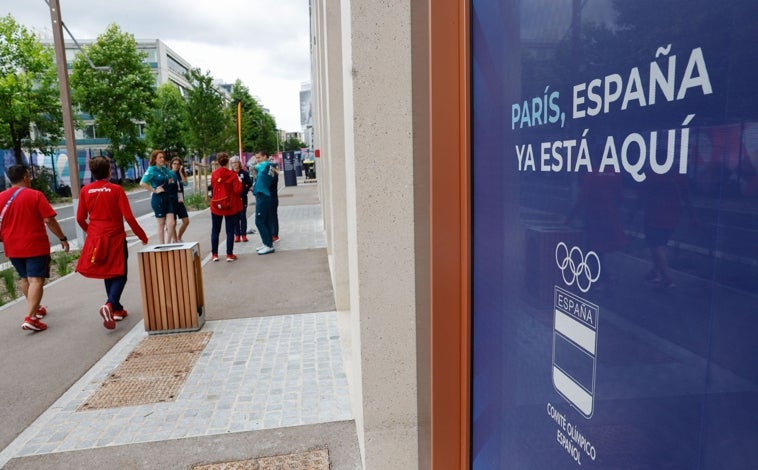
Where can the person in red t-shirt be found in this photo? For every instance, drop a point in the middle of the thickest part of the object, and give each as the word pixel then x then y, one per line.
pixel 24 215
pixel 103 207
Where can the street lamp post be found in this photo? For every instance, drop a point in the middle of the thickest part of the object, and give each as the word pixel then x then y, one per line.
pixel 239 131
pixel 68 119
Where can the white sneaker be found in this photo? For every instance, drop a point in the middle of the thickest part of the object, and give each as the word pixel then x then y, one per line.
pixel 266 250
pixel 259 248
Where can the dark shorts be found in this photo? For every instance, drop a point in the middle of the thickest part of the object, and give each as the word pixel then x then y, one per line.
pixel 181 211
pixel 37 266
pixel 657 236
pixel 163 204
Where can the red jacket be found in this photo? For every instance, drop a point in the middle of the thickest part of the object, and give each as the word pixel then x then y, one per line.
pixel 103 207
pixel 233 187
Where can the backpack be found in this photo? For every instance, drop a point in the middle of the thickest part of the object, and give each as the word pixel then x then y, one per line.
pixel 221 199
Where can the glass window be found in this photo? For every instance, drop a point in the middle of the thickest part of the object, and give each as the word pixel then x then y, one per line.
pixel 615 213
pixel 175 66
pixel 89 132
pixel 71 55
pixel 152 55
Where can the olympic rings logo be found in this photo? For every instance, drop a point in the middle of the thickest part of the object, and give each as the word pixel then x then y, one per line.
pixel 575 267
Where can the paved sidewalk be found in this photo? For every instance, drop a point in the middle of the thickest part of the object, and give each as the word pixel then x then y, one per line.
pixel 270 381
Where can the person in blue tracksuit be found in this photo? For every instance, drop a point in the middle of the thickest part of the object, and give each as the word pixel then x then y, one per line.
pixel 264 174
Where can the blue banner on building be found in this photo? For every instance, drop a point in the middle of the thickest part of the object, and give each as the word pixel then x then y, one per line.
pixel 615 234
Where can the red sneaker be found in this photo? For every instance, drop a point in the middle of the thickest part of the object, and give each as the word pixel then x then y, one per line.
pixel 41 312
pixel 230 258
pixel 214 257
pixel 244 238
pixel 33 324
pixel 119 315
pixel 236 239
pixel 106 312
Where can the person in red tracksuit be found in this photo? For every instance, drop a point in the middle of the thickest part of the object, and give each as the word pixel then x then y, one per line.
pixel 103 207
pixel 223 176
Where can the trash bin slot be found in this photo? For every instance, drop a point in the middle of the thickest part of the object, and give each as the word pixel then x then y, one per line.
pixel 167 247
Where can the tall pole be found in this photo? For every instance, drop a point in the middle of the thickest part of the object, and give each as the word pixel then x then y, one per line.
pixel 239 132
pixel 68 118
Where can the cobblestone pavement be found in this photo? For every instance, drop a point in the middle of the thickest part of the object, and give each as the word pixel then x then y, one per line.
pixel 293 375
pixel 254 374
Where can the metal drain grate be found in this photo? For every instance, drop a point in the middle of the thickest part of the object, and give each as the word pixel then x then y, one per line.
pixel 312 460
pixel 154 372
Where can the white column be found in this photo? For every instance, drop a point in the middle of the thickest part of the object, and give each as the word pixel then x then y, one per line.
pixel 379 170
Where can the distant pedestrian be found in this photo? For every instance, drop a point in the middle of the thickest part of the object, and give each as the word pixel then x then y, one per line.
pixel 240 230
pixel 225 205
pixel 24 215
pixel 160 181
pixel 664 199
pixel 177 166
pixel 103 208
pixel 264 173
pixel 274 190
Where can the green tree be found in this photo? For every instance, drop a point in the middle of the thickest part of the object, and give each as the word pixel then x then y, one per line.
pixel 268 140
pixel 229 143
pixel 29 97
pixel 119 98
pixel 293 143
pixel 208 121
pixel 167 127
pixel 258 127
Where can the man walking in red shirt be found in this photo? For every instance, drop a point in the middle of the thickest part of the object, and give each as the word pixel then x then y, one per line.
pixel 24 215
pixel 102 210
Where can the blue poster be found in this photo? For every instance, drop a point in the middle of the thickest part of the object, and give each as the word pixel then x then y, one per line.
pixel 290 168
pixel 615 234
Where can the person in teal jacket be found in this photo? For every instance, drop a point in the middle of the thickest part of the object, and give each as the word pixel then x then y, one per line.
pixel 264 174
pixel 160 180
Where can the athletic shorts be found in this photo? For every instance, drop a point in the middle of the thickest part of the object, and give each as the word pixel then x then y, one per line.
pixel 37 266
pixel 163 204
pixel 181 211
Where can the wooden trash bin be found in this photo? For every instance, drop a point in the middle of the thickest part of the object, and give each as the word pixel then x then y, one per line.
pixel 171 278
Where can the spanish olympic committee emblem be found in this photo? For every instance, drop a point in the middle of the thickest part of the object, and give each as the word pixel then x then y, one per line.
pixel 576 267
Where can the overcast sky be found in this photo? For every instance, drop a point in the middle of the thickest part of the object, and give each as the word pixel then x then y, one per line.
pixel 264 43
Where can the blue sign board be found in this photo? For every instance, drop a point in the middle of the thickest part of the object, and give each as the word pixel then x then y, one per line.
pixel 290 172
pixel 615 234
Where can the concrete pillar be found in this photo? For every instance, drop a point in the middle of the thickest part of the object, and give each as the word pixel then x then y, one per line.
pixel 378 99
pixel 363 85
pixel 334 157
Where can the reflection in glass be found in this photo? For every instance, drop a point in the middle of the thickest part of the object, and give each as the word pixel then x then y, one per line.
pixel 665 193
